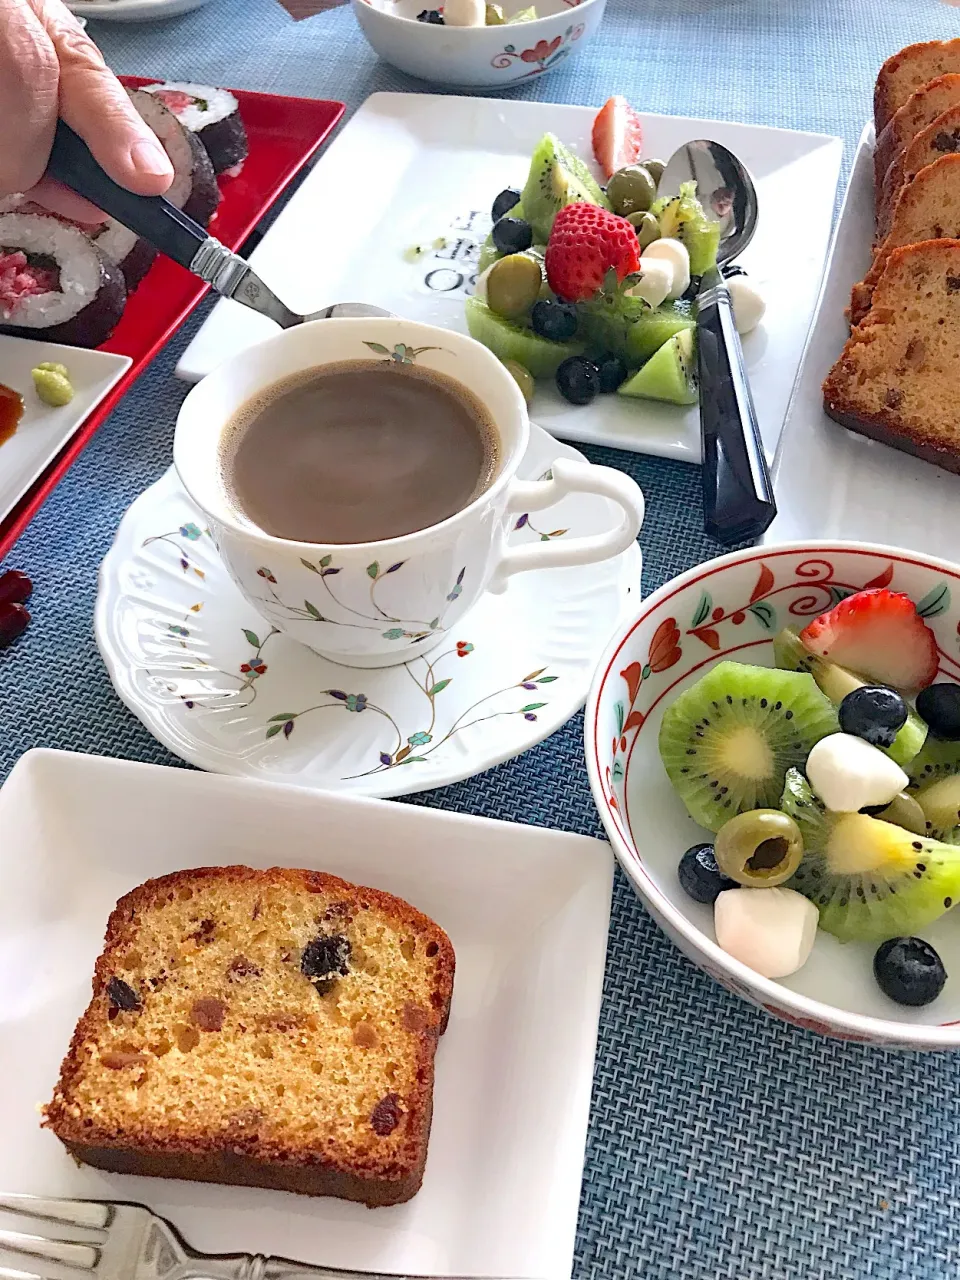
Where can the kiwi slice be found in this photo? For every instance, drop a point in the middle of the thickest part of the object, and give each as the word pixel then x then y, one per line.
pixel 937 759
pixel 869 879
pixel 728 741
pixel 668 375
pixel 940 802
pixel 790 654
pixel 557 177
pixel 627 327
pixel 511 341
pixel 682 217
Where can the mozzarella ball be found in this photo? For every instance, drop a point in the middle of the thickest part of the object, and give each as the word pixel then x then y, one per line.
pixel 748 306
pixel 655 283
pixel 849 774
pixel 675 253
pixel 770 930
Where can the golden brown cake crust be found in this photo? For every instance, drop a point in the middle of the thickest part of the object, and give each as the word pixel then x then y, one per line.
pixel 896 380
pixel 940 138
pixel 907 70
pixel 920 109
pixel 220 998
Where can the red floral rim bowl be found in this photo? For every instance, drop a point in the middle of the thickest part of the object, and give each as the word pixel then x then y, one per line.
pixel 731 608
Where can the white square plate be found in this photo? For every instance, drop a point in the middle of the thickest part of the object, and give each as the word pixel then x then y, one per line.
pixel 833 483
pixel 527 911
pixel 43 430
pixel 410 168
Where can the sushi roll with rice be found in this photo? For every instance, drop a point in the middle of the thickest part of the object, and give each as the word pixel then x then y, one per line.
pixel 55 284
pixel 213 116
pixel 194 188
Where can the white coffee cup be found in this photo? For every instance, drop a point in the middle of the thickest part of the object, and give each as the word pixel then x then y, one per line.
pixel 376 604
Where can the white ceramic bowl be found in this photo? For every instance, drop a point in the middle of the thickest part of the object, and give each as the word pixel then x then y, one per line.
pixel 731 608
pixel 478 57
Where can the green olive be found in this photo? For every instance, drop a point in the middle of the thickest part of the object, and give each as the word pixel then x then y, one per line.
pixel 904 811
pixel 655 169
pixel 522 377
pixel 513 285
pixel 648 228
pixel 631 190
pixel 760 848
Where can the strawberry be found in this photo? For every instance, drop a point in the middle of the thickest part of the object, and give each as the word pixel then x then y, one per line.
pixel 878 635
pixel 617 136
pixel 586 242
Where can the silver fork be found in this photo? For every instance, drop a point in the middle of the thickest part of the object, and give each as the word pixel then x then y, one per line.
pixel 109 1241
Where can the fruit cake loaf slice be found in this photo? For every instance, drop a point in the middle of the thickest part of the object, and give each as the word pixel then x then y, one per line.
pixel 267 1028
pixel 928 209
pixel 906 71
pixel 941 138
pixel 896 380
pixel 920 109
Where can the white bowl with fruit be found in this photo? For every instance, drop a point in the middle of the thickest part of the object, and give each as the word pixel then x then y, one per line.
pixel 773 743
pixel 475 44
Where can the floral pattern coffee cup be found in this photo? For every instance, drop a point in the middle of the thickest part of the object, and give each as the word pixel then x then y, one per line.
pixel 376 604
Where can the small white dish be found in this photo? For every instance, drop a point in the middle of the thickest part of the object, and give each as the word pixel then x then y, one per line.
pixel 132 10
pixel 478 57
pixel 831 482
pixel 212 682
pixel 463 151
pixel 44 430
pixel 514 1069
pixel 731 608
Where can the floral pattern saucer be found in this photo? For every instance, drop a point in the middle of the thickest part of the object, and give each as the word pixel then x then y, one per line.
pixel 227 692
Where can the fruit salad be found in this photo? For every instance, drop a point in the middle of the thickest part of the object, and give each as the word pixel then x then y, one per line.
pixel 831 784
pixel 590 286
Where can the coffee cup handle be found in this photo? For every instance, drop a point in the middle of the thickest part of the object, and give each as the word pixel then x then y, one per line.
pixel 570 477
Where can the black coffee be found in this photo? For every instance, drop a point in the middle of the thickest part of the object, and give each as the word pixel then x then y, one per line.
pixel 358 452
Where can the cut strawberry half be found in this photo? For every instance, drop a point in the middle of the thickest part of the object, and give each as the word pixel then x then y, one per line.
pixel 879 635
pixel 617 136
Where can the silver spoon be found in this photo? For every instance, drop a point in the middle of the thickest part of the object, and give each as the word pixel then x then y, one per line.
pixel 168 229
pixel 738 502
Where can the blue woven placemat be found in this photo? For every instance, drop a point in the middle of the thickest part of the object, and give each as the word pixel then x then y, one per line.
pixel 723 1145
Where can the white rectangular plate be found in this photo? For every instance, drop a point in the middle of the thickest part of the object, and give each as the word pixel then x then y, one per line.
pixel 527 911
pixel 44 430
pixel 411 168
pixel 830 482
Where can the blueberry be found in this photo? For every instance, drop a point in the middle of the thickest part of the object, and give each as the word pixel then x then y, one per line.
pixel 554 320
pixel 873 712
pixel 613 372
pixel 508 199
pixel 512 235
pixel 433 16
pixel 578 380
pixel 939 705
pixel 909 971
pixel 700 877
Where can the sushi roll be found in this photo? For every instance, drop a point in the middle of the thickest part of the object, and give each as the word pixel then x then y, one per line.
pixel 55 283
pixel 194 188
pixel 213 115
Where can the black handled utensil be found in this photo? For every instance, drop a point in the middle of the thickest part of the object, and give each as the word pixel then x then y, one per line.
pixel 169 229
pixel 738 501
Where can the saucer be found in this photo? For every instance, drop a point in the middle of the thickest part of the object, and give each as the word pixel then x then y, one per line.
pixel 226 692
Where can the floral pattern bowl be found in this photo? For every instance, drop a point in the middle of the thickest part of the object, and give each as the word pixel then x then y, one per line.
pixel 731 608
pixel 478 57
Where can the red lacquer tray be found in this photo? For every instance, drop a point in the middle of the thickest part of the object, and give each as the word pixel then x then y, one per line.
pixel 284 133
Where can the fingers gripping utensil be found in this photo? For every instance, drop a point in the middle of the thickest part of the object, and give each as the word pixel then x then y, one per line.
pixel 169 229
pixel 738 501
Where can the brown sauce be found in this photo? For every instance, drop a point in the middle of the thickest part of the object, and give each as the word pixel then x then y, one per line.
pixel 11 411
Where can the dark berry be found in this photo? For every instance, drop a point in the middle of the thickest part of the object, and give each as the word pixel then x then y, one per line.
pixel 700 877
pixel 909 971
pixel 939 705
pixel 326 959
pixel 613 373
pixel 578 380
pixel 554 320
pixel 15 587
pixel 873 712
pixel 14 620
pixel 512 235
pixel 122 996
pixel 508 199
pixel 432 16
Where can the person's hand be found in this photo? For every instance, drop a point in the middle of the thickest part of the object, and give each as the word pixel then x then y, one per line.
pixel 50 67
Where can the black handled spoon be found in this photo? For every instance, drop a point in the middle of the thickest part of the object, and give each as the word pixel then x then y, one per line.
pixel 169 229
pixel 738 501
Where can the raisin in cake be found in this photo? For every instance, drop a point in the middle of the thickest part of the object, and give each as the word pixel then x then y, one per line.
pixel 920 109
pixel 906 71
pixel 927 209
pixel 941 138
pixel 897 377
pixel 269 1028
